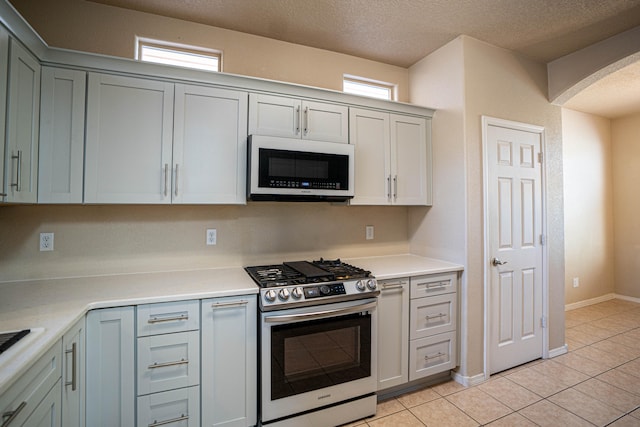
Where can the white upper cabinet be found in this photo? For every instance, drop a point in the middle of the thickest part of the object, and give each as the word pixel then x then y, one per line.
pixel 298 118
pixel 129 140
pixel 23 107
pixel 209 145
pixel 4 72
pixel 61 164
pixel 393 158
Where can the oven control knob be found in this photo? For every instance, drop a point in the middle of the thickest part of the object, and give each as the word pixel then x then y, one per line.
pixel 325 290
pixel 283 294
pixel 361 286
pixel 371 284
pixel 270 295
pixel 297 293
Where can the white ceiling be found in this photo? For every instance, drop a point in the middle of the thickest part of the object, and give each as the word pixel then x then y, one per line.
pixel 401 32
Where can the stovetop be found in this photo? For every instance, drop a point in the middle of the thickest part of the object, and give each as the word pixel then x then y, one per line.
pixel 7 339
pixel 305 283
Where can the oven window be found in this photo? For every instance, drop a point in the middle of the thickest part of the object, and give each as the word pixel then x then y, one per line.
pixel 312 355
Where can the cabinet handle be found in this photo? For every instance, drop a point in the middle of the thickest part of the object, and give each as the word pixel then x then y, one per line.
pixel 74 365
pixel 297 120
pixel 175 184
pixel 173 420
pixel 395 187
pixel 435 356
pixel 168 319
pixel 436 316
pixel 306 120
pixel 390 286
pixel 12 414
pixel 389 187
pixel 166 179
pixel 167 364
pixel 436 285
pixel 229 304
pixel 18 183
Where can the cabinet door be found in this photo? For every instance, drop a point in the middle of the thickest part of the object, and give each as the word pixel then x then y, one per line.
pixel 110 367
pixel 47 413
pixel 325 122
pixel 275 116
pixel 393 333
pixel 179 408
pixel 229 361
pixel 61 155
pixel 4 73
pixel 73 375
pixel 23 111
pixel 409 158
pixel 369 132
pixel 129 138
pixel 432 355
pixel 210 145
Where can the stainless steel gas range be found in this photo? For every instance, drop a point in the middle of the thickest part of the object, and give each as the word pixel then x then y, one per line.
pixel 318 347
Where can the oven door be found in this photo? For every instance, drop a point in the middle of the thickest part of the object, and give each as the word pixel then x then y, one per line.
pixel 317 356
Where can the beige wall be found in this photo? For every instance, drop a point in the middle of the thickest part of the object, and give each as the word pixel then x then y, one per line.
pixel 92 27
pixel 626 204
pixel 588 214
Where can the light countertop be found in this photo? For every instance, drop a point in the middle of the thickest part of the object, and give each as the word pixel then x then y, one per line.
pixel 51 307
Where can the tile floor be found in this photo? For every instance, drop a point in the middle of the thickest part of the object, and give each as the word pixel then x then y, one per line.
pixel 596 383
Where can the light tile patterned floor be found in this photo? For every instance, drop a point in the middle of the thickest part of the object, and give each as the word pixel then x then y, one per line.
pixel 596 383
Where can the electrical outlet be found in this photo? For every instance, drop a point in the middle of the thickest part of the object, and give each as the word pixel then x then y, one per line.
pixel 576 282
pixel 212 236
pixel 46 242
pixel 369 232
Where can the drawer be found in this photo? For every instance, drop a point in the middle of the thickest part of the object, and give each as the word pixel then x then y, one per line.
pixel 168 361
pixel 432 355
pixel 433 284
pixel 31 388
pixel 168 317
pixel 433 315
pixel 176 407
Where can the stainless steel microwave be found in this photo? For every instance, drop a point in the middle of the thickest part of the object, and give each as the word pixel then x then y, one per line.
pixel 287 169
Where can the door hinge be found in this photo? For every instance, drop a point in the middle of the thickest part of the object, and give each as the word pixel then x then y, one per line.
pixel 540 157
pixel 543 239
pixel 543 322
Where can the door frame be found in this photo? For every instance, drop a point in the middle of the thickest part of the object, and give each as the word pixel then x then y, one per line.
pixel 540 130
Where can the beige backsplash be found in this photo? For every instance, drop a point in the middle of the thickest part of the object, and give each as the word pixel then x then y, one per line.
pixel 95 240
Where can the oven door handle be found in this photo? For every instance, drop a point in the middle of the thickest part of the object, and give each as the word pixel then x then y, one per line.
pixel 320 314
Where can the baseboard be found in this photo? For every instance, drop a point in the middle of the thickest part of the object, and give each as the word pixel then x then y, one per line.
pixel 468 381
pixel 626 298
pixel 591 301
pixel 558 351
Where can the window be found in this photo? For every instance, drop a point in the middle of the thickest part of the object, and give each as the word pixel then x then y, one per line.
pixel 366 87
pixel 174 54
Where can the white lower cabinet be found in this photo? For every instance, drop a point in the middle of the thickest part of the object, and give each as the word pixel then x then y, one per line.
pixel 73 375
pixel 47 413
pixel 229 361
pixel 393 332
pixel 174 407
pixel 110 367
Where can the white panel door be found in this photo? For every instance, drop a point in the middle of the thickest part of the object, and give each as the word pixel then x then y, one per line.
pixel 409 160
pixel 274 116
pixel 73 376
pixel 4 73
pixel 325 122
pixel 209 145
pixel 393 333
pixel 515 250
pixel 60 171
pixel 369 133
pixel 129 140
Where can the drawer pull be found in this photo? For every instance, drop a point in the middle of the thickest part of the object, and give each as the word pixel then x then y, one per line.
pixel 74 366
pixel 436 316
pixel 436 285
pixel 12 414
pixel 388 287
pixel 435 356
pixel 229 304
pixel 167 364
pixel 168 319
pixel 173 420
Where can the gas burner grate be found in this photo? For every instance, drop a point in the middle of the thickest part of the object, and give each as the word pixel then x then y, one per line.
pixel 7 339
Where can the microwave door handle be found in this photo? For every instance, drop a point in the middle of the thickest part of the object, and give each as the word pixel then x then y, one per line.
pixel 320 314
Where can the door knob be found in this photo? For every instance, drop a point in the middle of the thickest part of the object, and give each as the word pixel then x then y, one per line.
pixel 496 262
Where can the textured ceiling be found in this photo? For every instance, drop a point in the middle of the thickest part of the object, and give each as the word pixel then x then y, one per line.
pixel 401 32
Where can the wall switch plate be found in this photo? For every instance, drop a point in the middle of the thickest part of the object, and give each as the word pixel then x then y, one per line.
pixel 212 236
pixel 576 282
pixel 369 232
pixel 46 242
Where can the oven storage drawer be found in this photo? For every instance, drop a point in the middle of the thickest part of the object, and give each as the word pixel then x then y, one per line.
pixel 433 284
pixel 30 389
pixel 433 315
pixel 168 361
pixel 428 356
pixel 176 408
pixel 169 317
